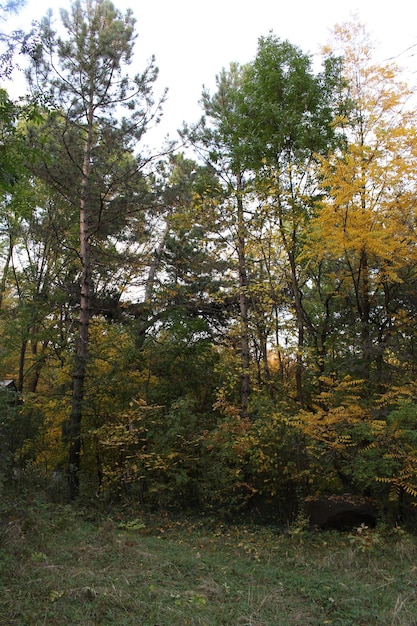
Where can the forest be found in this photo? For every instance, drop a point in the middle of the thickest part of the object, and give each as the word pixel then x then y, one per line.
pixel 223 325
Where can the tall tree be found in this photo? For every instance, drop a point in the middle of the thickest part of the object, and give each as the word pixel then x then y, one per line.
pixel 216 141
pixel 262 131
pixel 286 115
pixel 93 164
pixel 367 217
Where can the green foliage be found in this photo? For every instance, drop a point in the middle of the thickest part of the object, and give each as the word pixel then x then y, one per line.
pixel 286 109
pixel 249 316
pixel 18 431
pixel 8 431
pixel 398 446
pixel 365 539
pixel 16 42
pixel 151 454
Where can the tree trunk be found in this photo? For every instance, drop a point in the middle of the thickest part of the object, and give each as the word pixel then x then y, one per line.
pixel 300 330
pixel 365 310
pixel 3 281
pixel 36 368
pixel 243 302
pixel 80 366
pixel 22 356
pixel 289 246
pixel 146 319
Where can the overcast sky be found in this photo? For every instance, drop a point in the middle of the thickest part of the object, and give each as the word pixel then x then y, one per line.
pixel 193 40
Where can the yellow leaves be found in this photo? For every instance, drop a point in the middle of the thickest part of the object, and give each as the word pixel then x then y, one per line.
pixel 370 185
pixel 406 478
pixel 340 120
pixel 358 215
pixel 339 422
pixel 377 426
pixel 395 396
pixel 352 42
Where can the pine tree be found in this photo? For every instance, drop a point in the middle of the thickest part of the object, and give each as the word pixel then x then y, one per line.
pixel 98 114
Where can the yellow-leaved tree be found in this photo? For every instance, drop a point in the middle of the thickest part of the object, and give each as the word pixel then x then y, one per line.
pixel 367 219
pixel 361 249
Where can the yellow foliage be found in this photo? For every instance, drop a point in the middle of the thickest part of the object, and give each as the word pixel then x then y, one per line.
pixel 371 185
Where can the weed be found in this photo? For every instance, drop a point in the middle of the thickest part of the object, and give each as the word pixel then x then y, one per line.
pixel 133 525
pixel 365 539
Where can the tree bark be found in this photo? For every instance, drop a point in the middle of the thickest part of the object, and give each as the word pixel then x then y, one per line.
pixel 81 356
pixel 243 303
pixel 3 280
pixel 289 246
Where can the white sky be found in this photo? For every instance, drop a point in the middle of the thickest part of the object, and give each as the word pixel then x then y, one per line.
pixel 193 40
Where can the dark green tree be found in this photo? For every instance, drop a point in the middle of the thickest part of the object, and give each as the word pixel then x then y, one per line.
pixel 98 114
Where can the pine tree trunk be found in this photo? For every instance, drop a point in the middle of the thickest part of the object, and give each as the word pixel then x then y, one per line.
pixel 3 280
pixel 80 366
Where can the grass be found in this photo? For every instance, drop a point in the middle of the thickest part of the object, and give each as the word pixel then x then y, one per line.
pixel 63 565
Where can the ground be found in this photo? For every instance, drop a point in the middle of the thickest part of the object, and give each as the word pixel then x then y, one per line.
pixel 71 565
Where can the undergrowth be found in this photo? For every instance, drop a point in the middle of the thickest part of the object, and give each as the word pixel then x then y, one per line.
pixel 69 565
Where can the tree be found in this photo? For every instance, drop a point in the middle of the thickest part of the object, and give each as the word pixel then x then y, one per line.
pixel 367 216
pixel 216 141
pixel 286 119
pixel 361 283
pixel 262 131
pixel 93 162
pixel 11 42
pixel 182 271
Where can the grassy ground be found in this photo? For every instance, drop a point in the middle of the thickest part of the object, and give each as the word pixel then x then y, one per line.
pixel 62 566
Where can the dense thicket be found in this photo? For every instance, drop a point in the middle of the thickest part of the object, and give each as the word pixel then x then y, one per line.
pixel 230 329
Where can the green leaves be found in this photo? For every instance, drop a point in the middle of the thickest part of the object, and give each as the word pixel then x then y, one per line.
pixel 284 109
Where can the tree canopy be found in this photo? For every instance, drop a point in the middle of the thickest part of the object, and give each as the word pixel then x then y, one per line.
pixel 228 326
